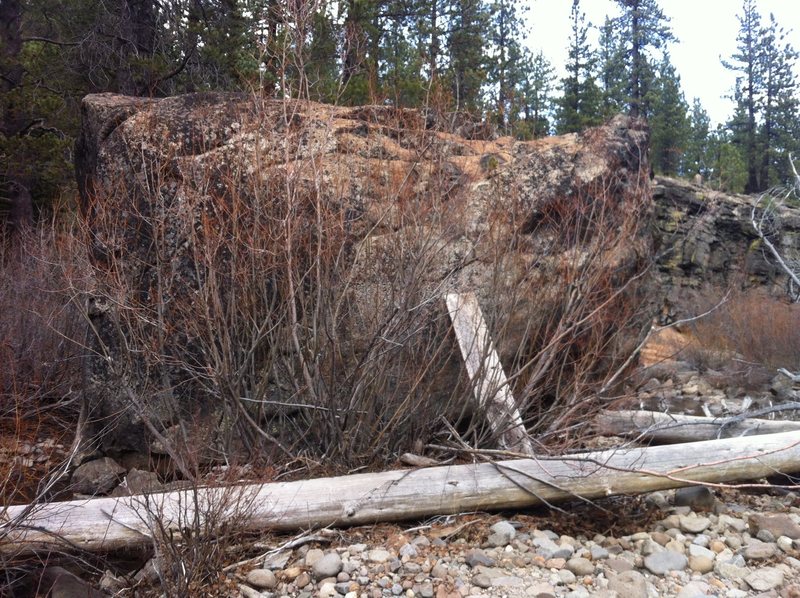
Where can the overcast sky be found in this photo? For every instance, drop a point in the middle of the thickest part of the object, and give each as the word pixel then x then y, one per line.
pixel 706 30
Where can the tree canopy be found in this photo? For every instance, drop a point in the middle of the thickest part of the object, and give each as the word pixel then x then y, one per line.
pixel 467 56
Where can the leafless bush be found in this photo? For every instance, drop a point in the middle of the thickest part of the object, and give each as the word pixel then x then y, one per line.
pixel 41 332
pixel 752 333
pixel 194 535
pixel 591 287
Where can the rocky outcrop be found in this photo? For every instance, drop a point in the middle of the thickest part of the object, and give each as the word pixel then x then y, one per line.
pixel 707 244
pixel 260 248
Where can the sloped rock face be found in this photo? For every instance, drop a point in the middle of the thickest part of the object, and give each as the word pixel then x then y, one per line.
pixel 350 222
pixel 707 244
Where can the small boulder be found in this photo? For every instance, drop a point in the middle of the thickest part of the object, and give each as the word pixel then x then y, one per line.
pixel 97 477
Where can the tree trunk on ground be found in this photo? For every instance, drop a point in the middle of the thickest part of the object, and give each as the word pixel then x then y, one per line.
pixel 105 524
pixel 665 428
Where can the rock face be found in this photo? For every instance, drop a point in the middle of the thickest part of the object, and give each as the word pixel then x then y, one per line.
pixel 706 239
pixel 252 250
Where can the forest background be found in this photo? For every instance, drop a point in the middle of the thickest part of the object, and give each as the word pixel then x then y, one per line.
pixel 465 58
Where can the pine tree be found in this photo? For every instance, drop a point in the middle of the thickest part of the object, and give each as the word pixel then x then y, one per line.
pixel 779 106
pixel 728 166
pixel 746 62
pixel 644 28
pixel 669 123
pixel 534 97
pixel 469 20
pixel 579 105
pixel 696 159
pixel 504 33
pixel 612 76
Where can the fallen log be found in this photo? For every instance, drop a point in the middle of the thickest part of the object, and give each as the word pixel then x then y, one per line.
pixel 106 524
pixel 665 428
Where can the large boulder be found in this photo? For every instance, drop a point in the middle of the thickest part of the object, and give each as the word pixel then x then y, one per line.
pixel 252 253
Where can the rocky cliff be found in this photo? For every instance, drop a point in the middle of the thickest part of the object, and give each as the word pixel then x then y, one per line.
pixel 254 252
pixel 706 244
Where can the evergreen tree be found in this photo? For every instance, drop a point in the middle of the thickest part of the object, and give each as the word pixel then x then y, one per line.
pixel 467 69
pixel 728 167
pixel 612 74
pixel 534 101
pixel 696 158
pixel 579 105
pixel 779 108
pixel 504 33
pixel 644 28
pixel 669 123
pixel 747 63
pixel 401 63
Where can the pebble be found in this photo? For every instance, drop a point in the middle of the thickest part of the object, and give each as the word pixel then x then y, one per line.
pixel 378 555
pixel 580 566
pixel 476 557
pixel 693 524
pixel 756 550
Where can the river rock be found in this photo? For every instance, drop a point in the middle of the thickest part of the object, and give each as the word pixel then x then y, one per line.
pixel 501 534
pixel 328 566
pixel 779 524
pixel 662 562
pixel 630 584
pixel 765 579
pixel 96 477
pixel 262 579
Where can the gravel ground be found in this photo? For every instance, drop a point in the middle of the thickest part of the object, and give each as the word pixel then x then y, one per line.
pixel 690 544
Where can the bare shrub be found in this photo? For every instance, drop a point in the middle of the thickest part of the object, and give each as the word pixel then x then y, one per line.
pixel 194 534
pixel 586 300
pixel 41 332
pixel 752 331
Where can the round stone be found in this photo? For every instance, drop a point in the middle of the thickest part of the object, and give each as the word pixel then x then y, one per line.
pixel 501 534
pixel 580 566
pixel 328 566
pixel 701 564
pixel 693 524
pixel 662 562
pixel 262 579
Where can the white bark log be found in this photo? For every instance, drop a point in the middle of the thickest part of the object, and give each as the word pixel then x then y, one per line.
pixel 489 381
pixel 113 523
pixel 670 429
